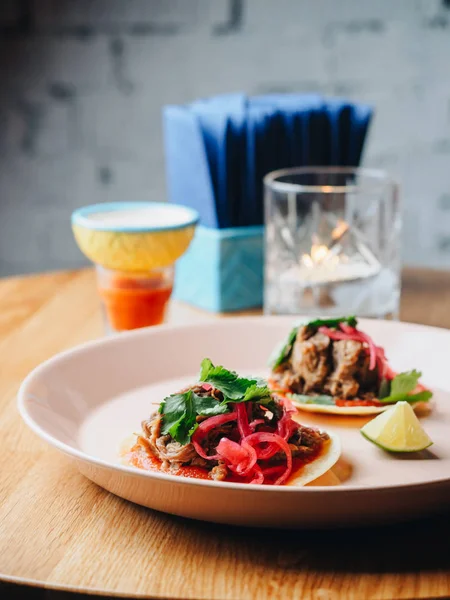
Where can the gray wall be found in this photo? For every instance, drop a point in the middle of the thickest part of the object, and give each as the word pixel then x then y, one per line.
pixel 82 84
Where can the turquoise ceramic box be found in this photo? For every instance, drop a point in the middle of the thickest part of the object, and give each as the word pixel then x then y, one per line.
pixel 222 270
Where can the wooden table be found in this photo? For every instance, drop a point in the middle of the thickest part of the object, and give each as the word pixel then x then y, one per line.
pixel 59 530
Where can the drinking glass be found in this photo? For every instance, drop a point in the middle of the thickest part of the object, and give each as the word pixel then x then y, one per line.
pixel 332 244
pixel 134 300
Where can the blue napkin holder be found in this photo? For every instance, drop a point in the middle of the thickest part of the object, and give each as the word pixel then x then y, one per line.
pixel 222 271
pixel 217 152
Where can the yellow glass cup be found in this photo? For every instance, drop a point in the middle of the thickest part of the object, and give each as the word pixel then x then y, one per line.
pixel 134 246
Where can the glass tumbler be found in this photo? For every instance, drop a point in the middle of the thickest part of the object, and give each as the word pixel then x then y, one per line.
pixel 134 300
pixel 332 245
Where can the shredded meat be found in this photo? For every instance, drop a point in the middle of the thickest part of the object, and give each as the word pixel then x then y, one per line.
pixel 172 453
pixel 219 472
pixel 306 440
pixel 152 430
pixel 350 376
pixel 346 358
pixel 321 366
pixel 166 448
pixel 310 364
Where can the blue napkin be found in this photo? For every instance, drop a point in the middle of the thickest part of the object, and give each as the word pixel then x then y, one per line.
pixel 237 166
pixel 236 155
pixel 360 123
pixel 256 142
pixel 213 126
pixel 187 169
pixel 339 115
pixel 219 149
pixel 293 110
pixel 217 118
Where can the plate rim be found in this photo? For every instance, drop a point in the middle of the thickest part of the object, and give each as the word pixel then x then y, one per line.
pixel 23 395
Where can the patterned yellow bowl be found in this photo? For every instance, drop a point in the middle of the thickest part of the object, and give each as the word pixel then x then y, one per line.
pixel 134 236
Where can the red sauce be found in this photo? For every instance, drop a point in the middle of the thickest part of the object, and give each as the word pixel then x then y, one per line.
pixel 131 304
pixel 143 458
pixel 356 402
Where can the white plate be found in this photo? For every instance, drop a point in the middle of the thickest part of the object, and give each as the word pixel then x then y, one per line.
pixel 85 402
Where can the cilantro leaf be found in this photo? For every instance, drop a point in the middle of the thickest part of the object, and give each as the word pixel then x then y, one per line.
pixel 192 430
pixel 254 393
pixel 208 406
pixel 401 387
pixel 405 382
pixel 385 389
pixel 180 411
pixel 178 416
pixel 282 352
pixel 172 408
pixel 257 393
pixel 419 397
pixel 320 399
pixel 260 381
pixel 229 383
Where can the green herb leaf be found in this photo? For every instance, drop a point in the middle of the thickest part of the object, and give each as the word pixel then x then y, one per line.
pixel 332 323
pixel 172 408
pixel 178 416
pixel 412 398
pixel 192 430
pixel 401 387
pixel 260 381
pixel 206 406
pixel 180 411
pixel 322 399
pixel 229 383
pixel 257 393
pixel 283 351
pixel 385 389
pixel 405 382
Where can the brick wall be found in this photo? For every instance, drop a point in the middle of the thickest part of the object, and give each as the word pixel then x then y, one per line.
pixel 83 81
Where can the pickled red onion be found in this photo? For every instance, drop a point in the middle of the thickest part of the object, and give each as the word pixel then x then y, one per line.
pixel 242 420
pixel 206 426
pixel 258 475
pixel 273 438
pixel 254 424
pixel 349 329
pixel 213 422
pixel 239 458
pixel 286 425
pixel 363 337
pixel 270 450
pixel 335 335
pixel 200 450
pixel 350 333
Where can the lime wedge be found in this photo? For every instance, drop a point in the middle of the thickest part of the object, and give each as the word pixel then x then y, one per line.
pixel 397 430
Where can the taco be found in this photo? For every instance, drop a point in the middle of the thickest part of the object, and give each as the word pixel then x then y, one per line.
pixel 231 428
pixel 331 366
